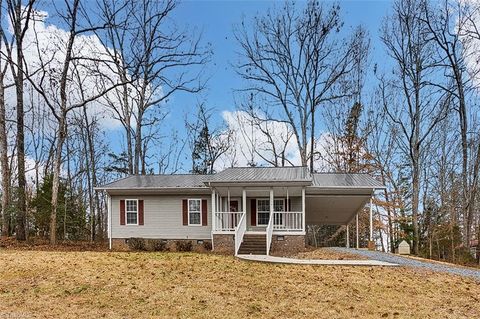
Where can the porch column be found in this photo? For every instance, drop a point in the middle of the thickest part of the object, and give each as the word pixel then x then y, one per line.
pixel 356 228
pixel 348 236
pixel 244 201
pixel 303 208
pixel 214 199
pixel 271 201
pixel 109 216
pixel 371 221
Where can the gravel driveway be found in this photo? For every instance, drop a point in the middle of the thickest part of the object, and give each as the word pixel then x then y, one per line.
pixel 405 261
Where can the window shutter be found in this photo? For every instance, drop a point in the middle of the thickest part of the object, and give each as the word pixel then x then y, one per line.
pixel 253 212
pixel 204 212
pixel 122 212
pixel 289 204
pixel 140 211
pixel 185 212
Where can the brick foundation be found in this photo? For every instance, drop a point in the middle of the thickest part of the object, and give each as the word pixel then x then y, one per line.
pixel 120 244
pixel 291 244
pixel 224 244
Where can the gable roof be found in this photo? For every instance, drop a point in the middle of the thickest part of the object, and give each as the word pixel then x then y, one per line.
pixel 246 175
pixel 158 182
pixel 345 180
pixel 262 175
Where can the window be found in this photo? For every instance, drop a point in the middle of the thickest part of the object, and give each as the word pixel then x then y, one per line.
pixel 263 211
pixel 194 212
pixel 132 211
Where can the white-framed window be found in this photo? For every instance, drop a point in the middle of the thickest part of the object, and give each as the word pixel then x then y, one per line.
pixel 131 211
pixel 194 212
pixel 263 210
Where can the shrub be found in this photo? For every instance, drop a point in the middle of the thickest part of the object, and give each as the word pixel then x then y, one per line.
pixel 157 245
pixel 207 245
pixel 182 245
pixel 136 243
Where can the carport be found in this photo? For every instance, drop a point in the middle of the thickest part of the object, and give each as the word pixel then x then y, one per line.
pixel 336 199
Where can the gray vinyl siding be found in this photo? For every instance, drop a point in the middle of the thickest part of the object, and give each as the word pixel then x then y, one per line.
pixel 162 218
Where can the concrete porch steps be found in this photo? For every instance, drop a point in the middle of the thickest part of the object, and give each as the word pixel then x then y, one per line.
pixel 253 244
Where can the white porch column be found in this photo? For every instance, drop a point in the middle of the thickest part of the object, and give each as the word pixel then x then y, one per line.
pixel 371 221
pixel 271 201
pixel 109 217
pixel 214 199
pixel 348 236
pixel 303 209
pixel 228 200
pixel 356 228
pixel 244 201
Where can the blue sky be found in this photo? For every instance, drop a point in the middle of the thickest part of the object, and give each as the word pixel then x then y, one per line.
pixel 216 20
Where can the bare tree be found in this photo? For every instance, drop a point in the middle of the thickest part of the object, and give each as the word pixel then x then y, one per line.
pixel 407 42
pixel 294 60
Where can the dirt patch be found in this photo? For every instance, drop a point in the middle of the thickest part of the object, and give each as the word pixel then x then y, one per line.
pixel 44 245
pixel 323 253
pixel 41 284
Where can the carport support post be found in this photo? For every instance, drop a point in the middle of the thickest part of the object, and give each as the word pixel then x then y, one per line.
pixel 356 229
pixel 348 236
pixel 371 221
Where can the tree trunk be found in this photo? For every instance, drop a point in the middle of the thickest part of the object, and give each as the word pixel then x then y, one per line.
pixel 61 135
pixel 20 138
pixel 4 162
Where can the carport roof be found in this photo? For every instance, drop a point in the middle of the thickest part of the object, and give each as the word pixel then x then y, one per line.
pixel 345 180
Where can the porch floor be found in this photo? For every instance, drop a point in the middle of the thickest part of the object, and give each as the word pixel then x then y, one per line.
pixel 325 262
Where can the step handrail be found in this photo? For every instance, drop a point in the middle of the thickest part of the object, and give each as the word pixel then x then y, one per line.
pixel 240 230
pixel 269 233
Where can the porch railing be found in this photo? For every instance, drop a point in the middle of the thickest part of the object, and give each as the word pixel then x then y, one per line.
pixel 269 233
pixel 240 230
pixel 227 221
pixel 288 221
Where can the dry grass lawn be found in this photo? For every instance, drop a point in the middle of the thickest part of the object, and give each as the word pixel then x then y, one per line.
pixel 44 284
pixel 325 253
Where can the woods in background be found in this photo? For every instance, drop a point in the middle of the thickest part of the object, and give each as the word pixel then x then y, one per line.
pixel 312 94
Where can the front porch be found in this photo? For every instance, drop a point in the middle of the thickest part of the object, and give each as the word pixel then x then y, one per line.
pixel 247 212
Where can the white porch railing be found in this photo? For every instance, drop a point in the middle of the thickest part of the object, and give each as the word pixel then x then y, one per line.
pixel 269 233
pixel 288 221
pixel 227 221
pixel 240 230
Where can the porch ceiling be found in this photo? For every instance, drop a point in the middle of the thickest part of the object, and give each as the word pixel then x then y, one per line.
pixel 333 209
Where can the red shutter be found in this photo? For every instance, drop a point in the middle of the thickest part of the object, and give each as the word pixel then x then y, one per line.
pixel 253 212
pixel 185 212
pixel 122 212
pixel 204 212
pixel 140 212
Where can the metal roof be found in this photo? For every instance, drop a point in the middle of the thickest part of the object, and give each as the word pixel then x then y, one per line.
pixel 158 182
pixel 262 175
pixel 247 175
pixel 345 180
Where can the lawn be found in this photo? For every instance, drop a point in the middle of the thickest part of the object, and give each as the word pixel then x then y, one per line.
pixel 49 284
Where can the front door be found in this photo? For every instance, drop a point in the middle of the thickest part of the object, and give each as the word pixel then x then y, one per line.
pixel 234 209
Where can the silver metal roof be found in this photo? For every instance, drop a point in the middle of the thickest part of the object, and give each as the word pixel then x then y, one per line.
pixel 158 182
pixel 247 175
pixel 262 175
pixel 345 180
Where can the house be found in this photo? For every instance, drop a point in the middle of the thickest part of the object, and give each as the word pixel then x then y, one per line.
pixel 239 210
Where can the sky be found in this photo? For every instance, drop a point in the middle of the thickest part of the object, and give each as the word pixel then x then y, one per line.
pixel 216 20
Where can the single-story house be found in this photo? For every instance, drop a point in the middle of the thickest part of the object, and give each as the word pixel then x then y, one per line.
pixel 241 210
